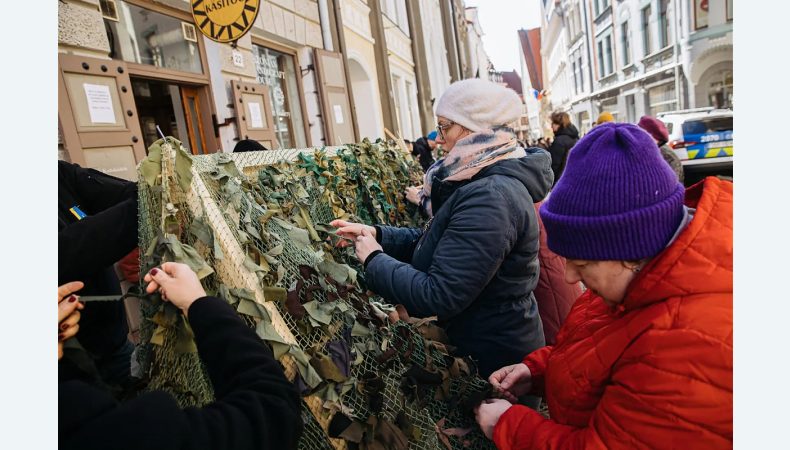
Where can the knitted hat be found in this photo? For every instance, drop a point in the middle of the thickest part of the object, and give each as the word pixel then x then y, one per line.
pixel 604 118
pixel 478 105
pixel 432 135
pixel 616 200
pixel 655 128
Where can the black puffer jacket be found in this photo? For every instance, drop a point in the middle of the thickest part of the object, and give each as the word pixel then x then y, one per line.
pixel 564 140
pixel 422 150
pixel 476 265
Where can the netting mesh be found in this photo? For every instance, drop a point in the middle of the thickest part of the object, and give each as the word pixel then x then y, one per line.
pixel 255 227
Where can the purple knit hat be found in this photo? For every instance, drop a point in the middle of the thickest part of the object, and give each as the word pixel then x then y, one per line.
pixel 616 200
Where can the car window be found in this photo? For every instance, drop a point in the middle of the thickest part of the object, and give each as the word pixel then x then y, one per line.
pixel 669 125
pixel 707 125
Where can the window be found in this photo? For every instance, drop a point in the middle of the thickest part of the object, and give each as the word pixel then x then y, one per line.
pixel 625 43
pixel 143 36
pixel 605 63
pixel 396 11
pixel 661 98
pixel 396 95
pixel 663 24
pixel 729 10
pixel 646 30
pixel 411 102
pixel 581 72
pixel 600 6
pixel 720 90
pixel 277 71
pixel 575 79
pixel 700 14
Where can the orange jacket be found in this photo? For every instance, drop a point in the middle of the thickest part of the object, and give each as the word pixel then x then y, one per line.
pixel 655 372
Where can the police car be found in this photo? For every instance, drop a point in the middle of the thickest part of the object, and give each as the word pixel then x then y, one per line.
pixel 700 136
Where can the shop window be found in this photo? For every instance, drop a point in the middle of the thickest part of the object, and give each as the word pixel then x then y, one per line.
pixel 142 36
pixel 662 98
pixel 277 70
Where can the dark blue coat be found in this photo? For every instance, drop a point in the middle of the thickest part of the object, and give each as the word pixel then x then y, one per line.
pixel 477 263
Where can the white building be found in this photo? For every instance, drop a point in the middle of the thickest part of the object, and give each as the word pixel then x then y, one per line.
pixel 636 57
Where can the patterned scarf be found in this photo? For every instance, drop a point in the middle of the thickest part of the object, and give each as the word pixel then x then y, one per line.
pixel 469 156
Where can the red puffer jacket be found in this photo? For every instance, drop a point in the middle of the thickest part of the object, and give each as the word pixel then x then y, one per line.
pixel 554 295
pixel 655 372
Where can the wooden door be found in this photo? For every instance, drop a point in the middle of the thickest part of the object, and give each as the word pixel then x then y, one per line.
pixel 190 98
pixel 336 109
pixel 97 115
pixel 254 113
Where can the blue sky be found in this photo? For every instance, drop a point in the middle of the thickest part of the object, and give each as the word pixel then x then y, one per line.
pixel 500 19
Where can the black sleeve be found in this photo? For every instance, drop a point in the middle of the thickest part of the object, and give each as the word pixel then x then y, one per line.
pixel 466 257
pixel 97 190
pixel 97 241
pixel 256 407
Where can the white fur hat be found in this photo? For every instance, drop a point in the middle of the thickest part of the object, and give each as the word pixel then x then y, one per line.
pixel 478 104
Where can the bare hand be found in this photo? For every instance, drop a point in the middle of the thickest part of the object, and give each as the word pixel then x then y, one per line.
pixel 512 381
pixel 351 230
pixel 68 313
pixel 365 244
pixel 413 194
pixel 176 283
pixel 488 413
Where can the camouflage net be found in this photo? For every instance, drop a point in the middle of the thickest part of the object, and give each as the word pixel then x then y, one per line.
pixel 254 226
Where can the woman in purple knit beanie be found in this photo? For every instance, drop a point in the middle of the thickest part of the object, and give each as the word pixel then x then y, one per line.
pixel 644 358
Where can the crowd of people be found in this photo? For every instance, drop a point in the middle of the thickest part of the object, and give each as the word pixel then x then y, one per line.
pixel 577 272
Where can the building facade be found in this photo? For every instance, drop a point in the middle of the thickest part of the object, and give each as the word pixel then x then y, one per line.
pixel 636 57
pixel 308 73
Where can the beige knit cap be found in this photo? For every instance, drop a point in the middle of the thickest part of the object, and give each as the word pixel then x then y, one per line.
pixel 478 104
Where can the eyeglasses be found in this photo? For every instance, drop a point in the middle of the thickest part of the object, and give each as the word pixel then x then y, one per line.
pixel 441 127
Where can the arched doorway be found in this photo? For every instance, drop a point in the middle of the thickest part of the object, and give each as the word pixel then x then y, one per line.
pixel 362 88
pixel 715 87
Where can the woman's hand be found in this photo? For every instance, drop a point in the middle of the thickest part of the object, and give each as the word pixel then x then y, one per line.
pixel 488 413
pixel 351 230
pixel 512 381
pixel 365 244
pixel 68 313
pixel 413 194
pixel 176 283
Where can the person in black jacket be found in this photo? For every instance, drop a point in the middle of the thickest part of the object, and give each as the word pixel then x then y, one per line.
pixel 256 407
pixel 565 137
pixel 423 149
pixel 97 226
pixel 475 265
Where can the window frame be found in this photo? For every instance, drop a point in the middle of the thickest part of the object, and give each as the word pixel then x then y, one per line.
pixel 625 42
pixel 664 25
pixel 647 42
pixel 299 86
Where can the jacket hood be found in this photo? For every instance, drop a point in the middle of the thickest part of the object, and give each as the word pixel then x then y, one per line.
pixel 533 171
pixel 569 131
pixel 699 261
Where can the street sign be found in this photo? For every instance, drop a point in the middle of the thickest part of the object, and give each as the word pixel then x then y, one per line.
pixel 225 20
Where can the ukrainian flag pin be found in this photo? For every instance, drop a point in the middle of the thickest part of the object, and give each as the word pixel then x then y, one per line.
pixel 77 212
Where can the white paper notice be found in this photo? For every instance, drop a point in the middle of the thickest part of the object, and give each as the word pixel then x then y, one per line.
pixel 256 119
pixel 338 114
pixel 99 103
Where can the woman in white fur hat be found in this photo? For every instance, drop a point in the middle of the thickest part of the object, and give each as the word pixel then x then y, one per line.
pixel 475 264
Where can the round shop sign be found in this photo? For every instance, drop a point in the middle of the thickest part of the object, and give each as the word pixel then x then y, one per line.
pixel 224 20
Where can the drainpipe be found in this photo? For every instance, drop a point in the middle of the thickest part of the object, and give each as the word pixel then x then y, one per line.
pixel 676 17
pixel 326 31
pixel 589 57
